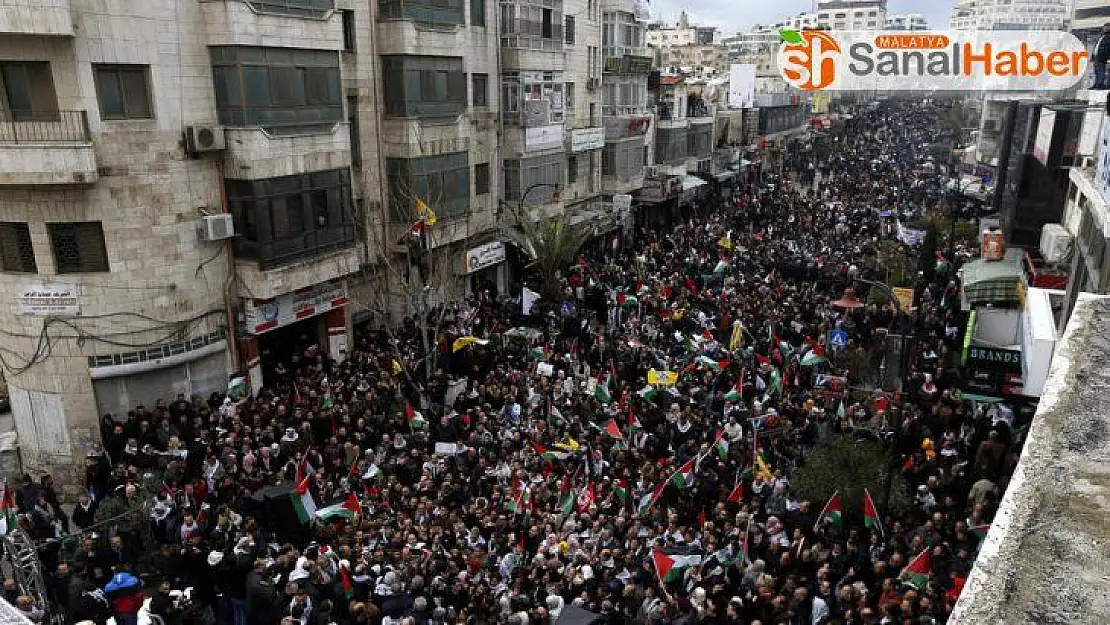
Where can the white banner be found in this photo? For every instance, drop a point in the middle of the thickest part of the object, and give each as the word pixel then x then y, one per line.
pixel 527 300
pixel 741 86
pixel 48 299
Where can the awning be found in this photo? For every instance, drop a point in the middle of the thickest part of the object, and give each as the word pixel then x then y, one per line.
pixel 725 175
pixel 691 182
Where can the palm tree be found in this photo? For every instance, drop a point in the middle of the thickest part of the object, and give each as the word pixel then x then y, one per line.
pixel 551 243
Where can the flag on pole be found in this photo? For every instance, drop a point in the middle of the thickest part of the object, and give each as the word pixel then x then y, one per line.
pixel 634 424
pixel 737 494
pixel 301 496
pixel 602 391
pixel 870 513
pixel 345 510
pixel 8 519
pixel 917 572
pixel 831 511
pixel 415 419
pixel 348 584
pixel 814 356
pixel 721 445
pixel 587 497
pixel 614 430
pixel 550 454
pixel 465 341
pixel 649 499
pixel 670 567
pixel 736 393
pixel 737 339
pixel 620 489
pixel 684 476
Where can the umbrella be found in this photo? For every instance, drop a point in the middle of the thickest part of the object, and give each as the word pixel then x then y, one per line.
pixel 121 581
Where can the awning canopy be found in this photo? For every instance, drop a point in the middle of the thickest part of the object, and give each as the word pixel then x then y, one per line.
pixel 691 182
pixel 991 281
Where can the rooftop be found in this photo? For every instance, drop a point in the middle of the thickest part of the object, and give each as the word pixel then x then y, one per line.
pixel 1047 557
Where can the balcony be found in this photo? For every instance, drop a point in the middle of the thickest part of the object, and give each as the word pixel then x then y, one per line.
pixel 36 17
pixel 307 24
pixel 47 150
pixel 253 153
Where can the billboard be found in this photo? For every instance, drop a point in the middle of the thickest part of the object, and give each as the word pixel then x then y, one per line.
pixel 741 86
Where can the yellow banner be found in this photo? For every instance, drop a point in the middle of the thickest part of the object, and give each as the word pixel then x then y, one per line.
pixel 905 297
pixel 662 378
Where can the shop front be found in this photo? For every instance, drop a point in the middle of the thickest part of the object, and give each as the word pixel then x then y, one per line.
pixel 659 200
pixel 484 268
pixel 281 330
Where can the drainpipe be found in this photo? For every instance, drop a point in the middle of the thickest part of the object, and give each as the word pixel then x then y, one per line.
pixel 229 300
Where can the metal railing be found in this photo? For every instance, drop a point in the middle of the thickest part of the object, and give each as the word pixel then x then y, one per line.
pixel 312 9
pixel 44 127
pixel 305 246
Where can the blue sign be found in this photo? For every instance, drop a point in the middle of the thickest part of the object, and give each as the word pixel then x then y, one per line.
pixel 568 309
pixel 838 339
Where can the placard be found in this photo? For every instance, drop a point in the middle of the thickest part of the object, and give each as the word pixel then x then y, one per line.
pixel 48 299
pixel 265 315
pixel 587 139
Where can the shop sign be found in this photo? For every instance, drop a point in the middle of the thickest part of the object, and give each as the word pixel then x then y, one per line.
pixel 587 139
pixel 543 138
pixel 288 308
pixel 994 358
pixel 634 64
pixel 488 255
pixel 48 299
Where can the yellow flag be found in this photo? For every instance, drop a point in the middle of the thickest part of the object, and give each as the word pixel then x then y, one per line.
pixel 762 470
pixel 662 378
pixel 570 444
pixel 427 215
pixel 464 341
pixel 679 313
pixel 725 241
pixel 737 339
pixel 397 368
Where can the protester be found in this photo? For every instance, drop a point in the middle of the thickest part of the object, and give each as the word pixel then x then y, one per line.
pixel 563 466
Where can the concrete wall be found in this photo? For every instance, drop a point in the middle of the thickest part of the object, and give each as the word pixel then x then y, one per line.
pixel 1045 557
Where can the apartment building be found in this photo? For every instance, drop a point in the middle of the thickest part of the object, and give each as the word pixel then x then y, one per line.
pixel 696 50
pixel 629 123
pixel 906 21
pixel 841 15
pixel 1010 15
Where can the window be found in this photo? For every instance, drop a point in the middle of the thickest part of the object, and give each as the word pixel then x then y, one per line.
pixel 572 169
pixel 520 86
pixel 17 255
pixel 284 90
pixel 670 145
pixel 539 177
pixel 428 11
pixel 426 87
pixel 355 130
pixel 481 179
pixel 532 24
pixel 349 37
pixel 548 30
pixel 479 87
pixel 443 182
pixel 123 91
pixel 568 30
pixel 294 8
pixel 78 247
pixel 477 12
pixel 28 89
pixel 288 218
pixel 623 159
pixel 568 89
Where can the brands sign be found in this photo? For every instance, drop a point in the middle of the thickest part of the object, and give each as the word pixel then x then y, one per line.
pixel 994 358
pixel 265 315
pixel 814 60
pixel 48 299
pixel 488 255
pixel 587 139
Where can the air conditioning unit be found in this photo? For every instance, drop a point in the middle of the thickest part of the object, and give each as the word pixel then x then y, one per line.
pixel 216 227
pixel 537 113
pixel 593 83
pixel 651 171
pixel 204 139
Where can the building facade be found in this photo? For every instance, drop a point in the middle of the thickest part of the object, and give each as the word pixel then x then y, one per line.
pixel 695 50
pixel 906 21
pixel 1010 15
pixel 842 15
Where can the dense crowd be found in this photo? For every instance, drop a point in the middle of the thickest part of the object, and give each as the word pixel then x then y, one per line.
pixel 623 452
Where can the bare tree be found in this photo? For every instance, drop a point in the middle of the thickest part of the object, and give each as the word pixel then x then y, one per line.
pixel 550 242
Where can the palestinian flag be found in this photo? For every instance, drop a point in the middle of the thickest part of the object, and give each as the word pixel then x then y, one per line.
pixel 348 583
pixel 238 387
pixel 684 476
pixel 670 567
pixel 814 357
pixel 620 489
pixel 737 494
pixel 870 513
pixel 612 429
pixel 918 571
pixel 301 495
pixel 712 365
pixel 634 424
pixel 602 391
pixel 648 392
pixel 550 454
pixel 8 519
pixel 566 502
pixel 511 502
pixel 831 511
pixel 329 400
pixel 415 419
pixel 722 445
pixel 736 393
pixel 980 531
pixel 346 510
pixel 649 499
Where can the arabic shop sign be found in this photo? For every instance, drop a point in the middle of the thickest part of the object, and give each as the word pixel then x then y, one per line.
pixel 483 256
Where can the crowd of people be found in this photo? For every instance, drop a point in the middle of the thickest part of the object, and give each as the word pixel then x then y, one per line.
pixel 624 452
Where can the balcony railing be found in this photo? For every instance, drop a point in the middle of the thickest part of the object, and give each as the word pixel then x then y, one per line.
pixel 314 9
pixel 274 254
pixel 49 127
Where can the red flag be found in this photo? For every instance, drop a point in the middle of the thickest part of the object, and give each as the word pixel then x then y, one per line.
pixel 691 286
pixel 586 498
pixel 348 584
pixel 737 494
pixel 702 518
pixel 612 429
